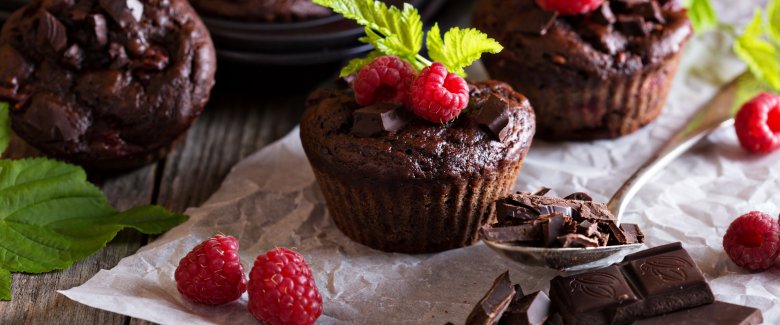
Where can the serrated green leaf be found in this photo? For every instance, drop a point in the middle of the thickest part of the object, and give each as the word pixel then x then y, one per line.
pixel 760 55
pixel 51 216
pixel 5 127
pixel 393 31
pixel 356 64
pixel 773 26
pixel 460 47
pixel 701 14
pixel 5 285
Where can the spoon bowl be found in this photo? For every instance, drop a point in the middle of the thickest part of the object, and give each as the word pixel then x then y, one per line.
pixel 716 113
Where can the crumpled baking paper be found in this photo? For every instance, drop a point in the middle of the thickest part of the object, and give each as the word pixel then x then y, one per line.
pixel 271 199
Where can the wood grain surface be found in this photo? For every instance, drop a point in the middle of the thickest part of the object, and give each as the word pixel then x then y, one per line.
pixel 237 122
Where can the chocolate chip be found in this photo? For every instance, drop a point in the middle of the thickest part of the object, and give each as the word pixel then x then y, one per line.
pixel 73 56
pixel 118 56
pixel 649 10
pixel 533 20
pixel 98 29
pixel 124 12
pixel 375 119
pixel 604 14
pixel 631 25
pixel 495 115
pixel 581 196
pixel 51 32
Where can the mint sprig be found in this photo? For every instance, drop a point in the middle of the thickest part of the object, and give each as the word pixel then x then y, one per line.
pixel 399 32
pixel 701 14
pixel 5 127
pixel 757 51
pixel 51 217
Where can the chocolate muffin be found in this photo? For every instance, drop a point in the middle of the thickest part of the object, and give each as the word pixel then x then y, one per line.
pixel 264 10
pixel 397 183
pixel 106 83
pixel 598 75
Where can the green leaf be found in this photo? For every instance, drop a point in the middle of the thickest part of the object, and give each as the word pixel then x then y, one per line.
pixel 356 64
pixel 701 14
pixel 460 47
pixel 5 285
pixel 748 87
pixel 5 127
pixel 773 27
pixel 390 30
pixel 760 55
pixel 51 216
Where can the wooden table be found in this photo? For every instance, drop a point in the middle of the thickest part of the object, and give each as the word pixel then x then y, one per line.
pixel 238 121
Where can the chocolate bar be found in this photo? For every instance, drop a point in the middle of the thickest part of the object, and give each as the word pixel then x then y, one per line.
pixel 494 303
pixel 719 312
pixel 652 282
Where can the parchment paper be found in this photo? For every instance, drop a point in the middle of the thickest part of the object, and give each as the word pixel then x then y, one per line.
pixel 271 199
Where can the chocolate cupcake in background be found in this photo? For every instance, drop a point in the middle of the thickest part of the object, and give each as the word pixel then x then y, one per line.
pixel 107 83
pixel 398 183
pixel 597 75
pixel 262 10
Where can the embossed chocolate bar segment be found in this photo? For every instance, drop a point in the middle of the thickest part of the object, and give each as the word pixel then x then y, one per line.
pixel 719 312
pixel 660 280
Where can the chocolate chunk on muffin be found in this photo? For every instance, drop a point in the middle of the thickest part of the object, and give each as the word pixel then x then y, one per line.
pixel 597 75
pixel 105 83
pixel 264 10
pixel 403 184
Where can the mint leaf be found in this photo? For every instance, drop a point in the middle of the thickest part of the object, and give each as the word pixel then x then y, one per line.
pixel 701 14
pixel 760 55
pixel 51 216
pixel 5 285
pixel 460 47
pixel 356 64
pixel 748 87
pixel 389 29
pixel 773 28
pixel 5 127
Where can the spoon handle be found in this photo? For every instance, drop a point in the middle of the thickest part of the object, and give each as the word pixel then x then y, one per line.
pixel 717 112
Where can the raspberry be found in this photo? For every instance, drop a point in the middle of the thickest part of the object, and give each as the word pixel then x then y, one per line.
pixel 212 272
pixel 570 7
pixel 758 124
pixel 282 290
pixel 753 241
pixel 386 79
pixel 438 95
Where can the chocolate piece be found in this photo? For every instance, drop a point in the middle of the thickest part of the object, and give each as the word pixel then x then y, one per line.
pixel 542 191
pixel 118 56
pixel 520 233
pixel 73 56
pixel 533 20
pixel 649 10
pixel 633 233
pixel 15 69
pixel 373 120
pixel 495 116
pixel 510 212
pixel 587 228
pixel 582 196
pixel 652 282
pixel 577 240
pixel 98 29
pixel 552 229
pixel 604 15
pixel 579 209
pixel 632 25
pixel 494 303
pixel 51 32
pixel 124 12
pixel 719 312
pixel 532 309
pixel 617 236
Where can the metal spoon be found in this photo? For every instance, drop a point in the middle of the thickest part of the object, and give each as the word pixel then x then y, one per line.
pixel 716 113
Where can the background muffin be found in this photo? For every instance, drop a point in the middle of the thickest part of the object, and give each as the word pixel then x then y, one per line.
pixel 425 187
pixel 109 84
pixel 264 10
pixel 597 75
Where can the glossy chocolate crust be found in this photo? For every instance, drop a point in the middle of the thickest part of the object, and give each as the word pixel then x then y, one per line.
pixel 105 83
pixel 587 77
pixel 265 10
pixel 425 188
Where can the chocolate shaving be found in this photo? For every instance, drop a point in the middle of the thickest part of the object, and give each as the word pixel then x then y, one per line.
pixel 375 119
